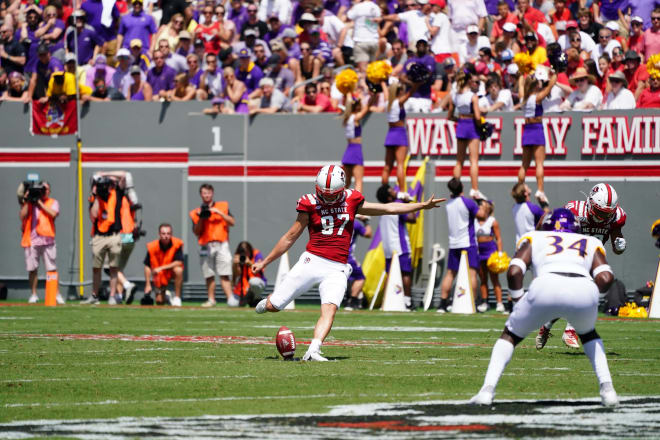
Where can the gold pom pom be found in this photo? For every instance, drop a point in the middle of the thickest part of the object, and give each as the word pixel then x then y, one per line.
pixel 346 80
pixel 378 71
pixel 498 262
pixel 653 66
pixel 524 63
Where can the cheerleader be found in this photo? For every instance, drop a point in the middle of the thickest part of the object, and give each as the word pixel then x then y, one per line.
pixel 536 88
pixel 466 101
pixel 489 241
pixel 353 160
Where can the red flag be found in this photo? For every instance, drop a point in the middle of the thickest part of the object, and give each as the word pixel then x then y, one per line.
pixel 54 118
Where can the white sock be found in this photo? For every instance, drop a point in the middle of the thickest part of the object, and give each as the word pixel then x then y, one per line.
pixel 126 284
pixel 315 345
pixel 595 351
pixel 499 358
pixel 569 327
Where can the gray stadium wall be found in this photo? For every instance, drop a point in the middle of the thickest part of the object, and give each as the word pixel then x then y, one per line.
pixel 262 165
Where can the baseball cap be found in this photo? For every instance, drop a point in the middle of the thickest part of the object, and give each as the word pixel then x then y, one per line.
pixel 512 69
pixel 289 33
pixel 123 53
pixel 440 3
pixel 185 34
pixel 472 29
pixel 422 2
pixel 637 19
pixel 244 53
pixel 135 69
pixel 631 55
pixel 421 40
pixel 42 49
pixel 530 36
pixel 560 25
pixel 251 32
pixel 100 59
pixel 506 55
pixel 78 13
pixel 70 57
pixel 308 17
pixel 509 27
pixel 266 82
pixel 448 62
pixel 571 24
pixel 198 42
pixel 613 26
pixel 136 42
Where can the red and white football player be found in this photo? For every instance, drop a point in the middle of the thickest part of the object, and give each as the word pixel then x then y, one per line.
pixel 599 216
pixel 328 214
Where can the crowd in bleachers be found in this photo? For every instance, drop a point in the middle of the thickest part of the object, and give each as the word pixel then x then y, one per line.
pixel 267 56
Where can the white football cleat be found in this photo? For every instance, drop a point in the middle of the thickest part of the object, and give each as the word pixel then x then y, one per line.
pixel 570 338
pixel 59 300
pixel 608 395
pixel 484 396
pixel 33 299
pixel 314 356
pixel 175 301
pixel 261 307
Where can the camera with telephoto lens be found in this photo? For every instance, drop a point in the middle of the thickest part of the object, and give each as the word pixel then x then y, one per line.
pixel 34 191
pixel 204 211
pixel 103 186
pixel 242 256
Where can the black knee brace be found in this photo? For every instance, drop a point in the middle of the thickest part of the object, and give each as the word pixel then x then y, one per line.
pixel 593 334
pixel 515 338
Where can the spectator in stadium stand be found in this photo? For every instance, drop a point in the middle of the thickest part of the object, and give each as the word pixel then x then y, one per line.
pixel 308 64
pixel 605 44
pixel 586 42
pixel 573 60
pixel 560 13
pixel 468 51
pixel 237 14
pixel 417 21
pixel 365 31
pixel 253 22
pixel 530 15
pixel 160 77
pixel 12 53
pixel 604 66
pixel 616 63
pixel 173 60
pixel 122 71
pixel 335 32
pixel 463 13
pixel 210 31
pixel 140 58
pixel 44 68
pixel 163 261
pixel 587 25
pixel 291 46
pixel 251 43
pixel 248 72
pixel 275 28
pixel 281 75
pixel 93 11
pixel 139 90
pixel 636 35
pixel 312 101
pixel 99 70
pixel 138 24
pixel 282 9
pixel 17 91
pixel 509 38
pixel 25 33
pixel 486 57
pixel 102 92
pixel 636 73
pixel 183 90
pixel 466 103
pixel 652 35
pixel 420 101
pixel 194 72
pixel 51 32
pixel 497 99
pixel 173 7
pixel 399 57
pixel 212 231
pixel 228 27
pixel 503 16
pixel 619 98
pixel 210 82
pixel 616 34
pixel 537 52
pixel 218 107
pixel 70 66
pixel 587 96
pixel 4 81
pixel 170 32
pixel 320 49
pixel 235 90
pixel 89 41
pixel 440 31
pixel 592 69
pixel 185 47
pixel 267 99
pixel 650 96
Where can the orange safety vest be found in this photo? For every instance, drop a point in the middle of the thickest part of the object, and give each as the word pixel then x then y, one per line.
pixel 45 225
pixel 241 288
pixel 107 213
pixel 127 217
pixel 216 228
pixel 158 257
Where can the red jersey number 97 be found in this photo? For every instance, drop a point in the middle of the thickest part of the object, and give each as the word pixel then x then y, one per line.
pixel 328 223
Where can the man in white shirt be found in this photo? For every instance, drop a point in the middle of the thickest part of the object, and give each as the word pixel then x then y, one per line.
pixel 497 99
pixel 418 22
pixel 365 15
pixel 469 50
pixel 586 42
pixel 587 96
pixel 442 43
pixel 619 98
pixel 605 45
pixel 282 8
pixel 336 30
pixel 463 13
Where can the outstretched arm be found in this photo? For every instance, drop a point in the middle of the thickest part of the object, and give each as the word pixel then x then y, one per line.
pixel 285 242
pixel 369 208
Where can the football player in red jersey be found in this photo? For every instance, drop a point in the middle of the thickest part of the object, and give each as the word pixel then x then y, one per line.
pixel 599 216
pixel 329 216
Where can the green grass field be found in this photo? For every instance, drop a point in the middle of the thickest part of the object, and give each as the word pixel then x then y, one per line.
pixel 79 362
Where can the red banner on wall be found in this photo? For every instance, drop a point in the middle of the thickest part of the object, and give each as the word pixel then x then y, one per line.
pixel 50 119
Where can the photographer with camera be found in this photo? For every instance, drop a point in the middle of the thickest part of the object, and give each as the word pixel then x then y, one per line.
pixel 163 261
pixel 38 213
pixel 248 284
pixel 108 190
pixel 211 222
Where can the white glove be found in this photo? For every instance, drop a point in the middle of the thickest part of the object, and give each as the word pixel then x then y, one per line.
pixel 403 196
pixel 620 244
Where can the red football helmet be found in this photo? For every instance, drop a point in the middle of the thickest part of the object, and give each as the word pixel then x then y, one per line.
pixel 330 183
pixel 602 203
